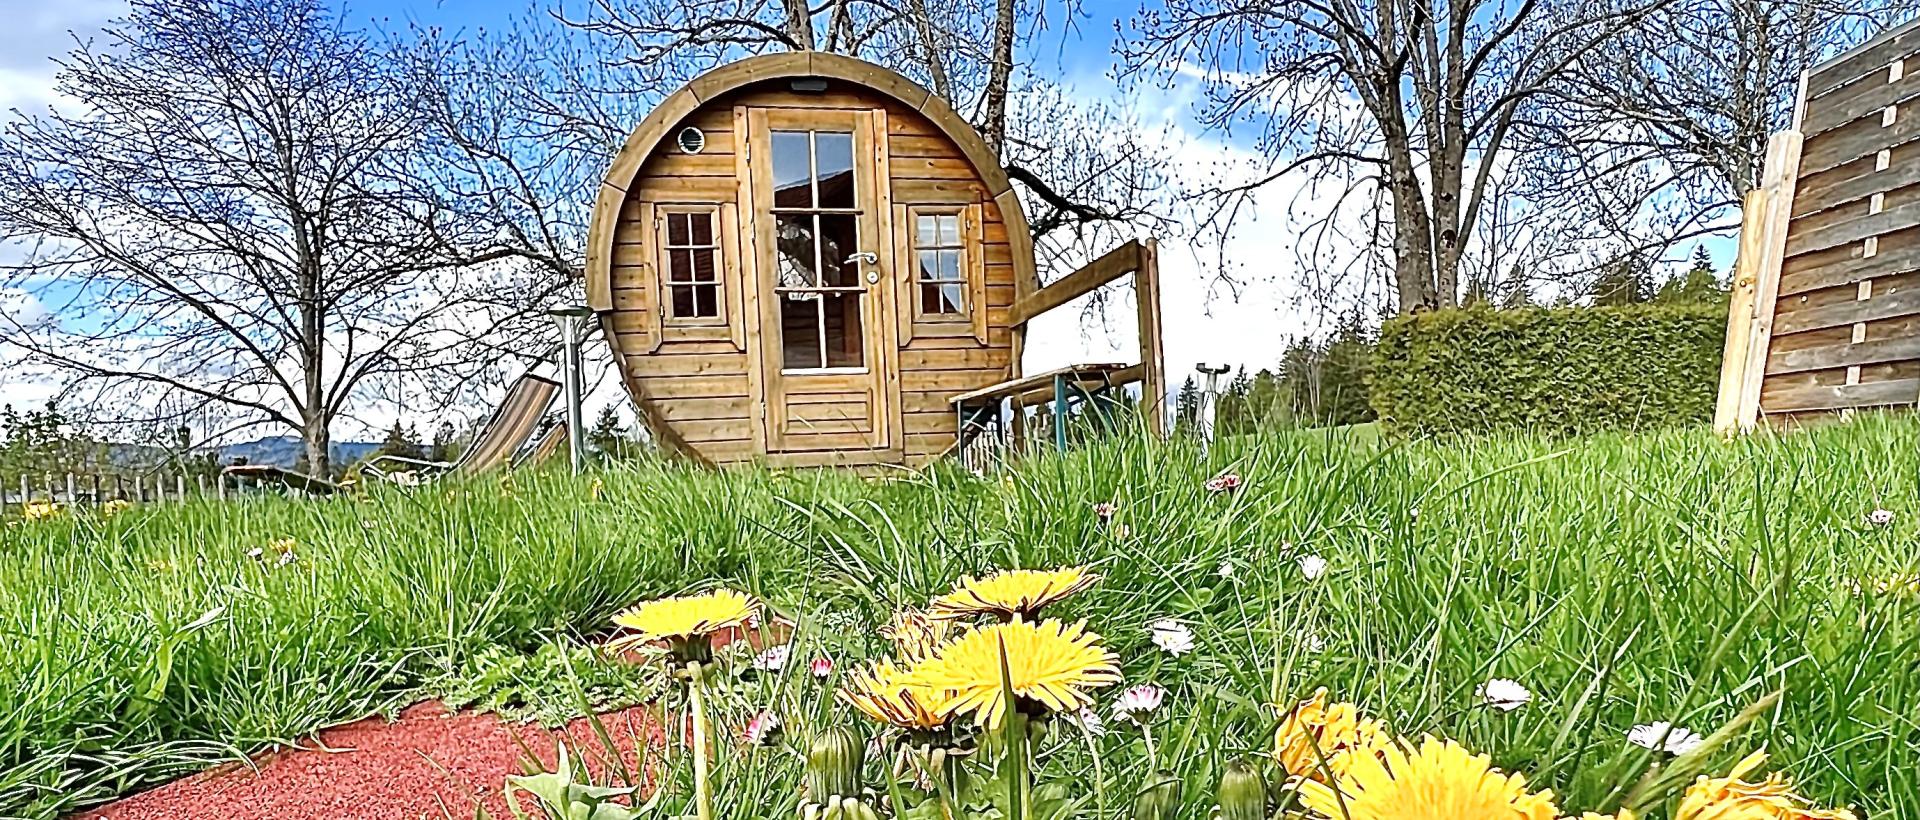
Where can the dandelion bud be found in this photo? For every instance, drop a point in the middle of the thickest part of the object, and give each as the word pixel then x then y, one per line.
pixel 1243 792
pixel 834 762
pixel 1160 800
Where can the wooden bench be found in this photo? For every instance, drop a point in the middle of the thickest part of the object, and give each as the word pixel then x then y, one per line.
pixel 1090 384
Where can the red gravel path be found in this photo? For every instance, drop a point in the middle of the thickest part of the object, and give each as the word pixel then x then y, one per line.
pixel 428 764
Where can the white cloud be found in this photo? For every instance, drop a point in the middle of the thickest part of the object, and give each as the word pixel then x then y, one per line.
pixel 37 32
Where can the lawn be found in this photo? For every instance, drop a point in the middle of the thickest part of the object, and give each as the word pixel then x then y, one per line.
pixel 1621 580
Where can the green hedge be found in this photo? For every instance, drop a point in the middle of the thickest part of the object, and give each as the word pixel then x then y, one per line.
pixel 1555 370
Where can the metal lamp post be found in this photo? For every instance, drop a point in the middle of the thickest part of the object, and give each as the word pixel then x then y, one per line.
pixel 1209 401
pixel 572 320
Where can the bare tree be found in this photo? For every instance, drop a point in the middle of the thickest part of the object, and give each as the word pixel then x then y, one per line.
pixel 1655 135
pixel 1416 101
pixel 233 210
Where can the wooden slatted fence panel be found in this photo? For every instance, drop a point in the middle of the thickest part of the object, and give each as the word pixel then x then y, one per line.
pixel 1842 272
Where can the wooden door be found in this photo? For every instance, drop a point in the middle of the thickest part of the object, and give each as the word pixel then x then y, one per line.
pixel 822 232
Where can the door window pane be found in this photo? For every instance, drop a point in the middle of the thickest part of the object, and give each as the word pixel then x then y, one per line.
pixel 800 330
pixel 844 339
pixel 795 252
pixel 833 168
pixel 792 170
pixel 839 241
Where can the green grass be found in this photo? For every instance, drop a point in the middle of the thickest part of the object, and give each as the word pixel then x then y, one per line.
pixel 1622 579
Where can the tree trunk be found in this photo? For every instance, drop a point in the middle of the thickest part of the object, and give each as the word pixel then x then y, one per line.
pixel 319 441
pixel 799 24
pixel 936 64
pixel 994 106
pixel 1412 232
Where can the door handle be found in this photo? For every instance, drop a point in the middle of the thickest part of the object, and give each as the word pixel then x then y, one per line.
pixel 869 257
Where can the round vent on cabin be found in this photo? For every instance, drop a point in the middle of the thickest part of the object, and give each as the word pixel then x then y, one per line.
pixel 692 140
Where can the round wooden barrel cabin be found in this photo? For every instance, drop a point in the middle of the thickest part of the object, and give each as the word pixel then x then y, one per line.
pixel 800 259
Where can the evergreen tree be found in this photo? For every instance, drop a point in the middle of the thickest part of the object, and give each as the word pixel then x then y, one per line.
pixel 1698 285
pixel 610 437
pixel 400 442
pixel 1186 407
pixel 1624 281
pixel 1345 365
pixel 1232 416
pixel 444 448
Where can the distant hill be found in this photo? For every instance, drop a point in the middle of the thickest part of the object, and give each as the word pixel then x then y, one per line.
pixel 285 451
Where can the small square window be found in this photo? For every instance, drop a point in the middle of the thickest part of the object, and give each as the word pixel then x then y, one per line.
pixel 691 258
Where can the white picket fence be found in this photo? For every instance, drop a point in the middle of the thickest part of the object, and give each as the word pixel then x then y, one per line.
pixel 82 489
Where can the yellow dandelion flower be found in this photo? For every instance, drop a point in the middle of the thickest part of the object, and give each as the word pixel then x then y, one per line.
pixel 914 635
pixel 1624 814
pixel 881 691
pixel 1052 664
pixel 115 507
pixel 40 511
pixel 1316 731
pixel 1021 592
pixel 1441 780
pixel 684 622
pixel 1733 798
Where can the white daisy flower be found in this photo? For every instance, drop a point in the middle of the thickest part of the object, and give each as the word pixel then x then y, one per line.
pixel 762 729
pixel 1880 518
pixel 1503 694
pixel 1312 567
pixel 1662 735
pixel 255 553
pixel 1138 702
pixel 773 658
pixel 1223 483
pixel 1089 721
pixel 1312 641
pixel 1172 636
pixel 1226 570
pixel 287 557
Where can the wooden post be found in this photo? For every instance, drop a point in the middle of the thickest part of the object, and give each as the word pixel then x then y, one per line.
pixel 98 497
pixel 1740 315
pixel 180 487
pixel 26 491
pixel 1146 290
pixel 1782 173
pixel 220 486
pixel 73 492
